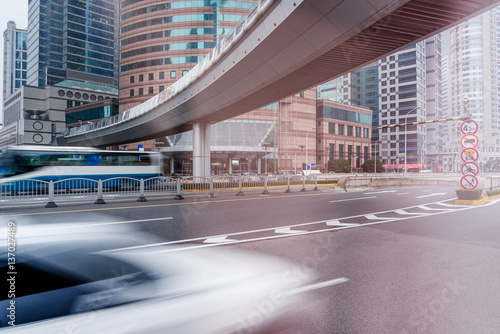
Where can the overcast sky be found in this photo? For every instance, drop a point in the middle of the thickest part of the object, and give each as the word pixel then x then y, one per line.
pixel 11 10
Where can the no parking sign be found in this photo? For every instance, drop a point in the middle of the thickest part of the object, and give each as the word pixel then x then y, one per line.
pixel 469 142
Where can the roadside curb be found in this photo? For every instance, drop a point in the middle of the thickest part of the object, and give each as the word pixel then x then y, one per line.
pixel 475 202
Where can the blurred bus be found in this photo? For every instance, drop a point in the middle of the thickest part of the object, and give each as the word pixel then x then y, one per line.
pixel 53 163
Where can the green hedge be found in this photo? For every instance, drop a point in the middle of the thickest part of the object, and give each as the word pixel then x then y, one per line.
pixel 470 195
pixel 493 192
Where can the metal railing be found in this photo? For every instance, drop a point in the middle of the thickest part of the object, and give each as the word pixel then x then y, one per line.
pixel 220 49
pixel 75 189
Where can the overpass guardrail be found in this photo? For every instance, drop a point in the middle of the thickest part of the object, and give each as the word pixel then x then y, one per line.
pixel 486 182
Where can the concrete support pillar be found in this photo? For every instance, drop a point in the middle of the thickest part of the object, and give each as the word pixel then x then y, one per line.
pixel 172 168
pixel 201 149
pixel 259 163
pixel 230 166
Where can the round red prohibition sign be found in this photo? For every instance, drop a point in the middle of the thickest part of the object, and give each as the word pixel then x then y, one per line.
pixel 468 182
pixel 469 155
pixel 469 127
pixel 469 141
pixel 470 168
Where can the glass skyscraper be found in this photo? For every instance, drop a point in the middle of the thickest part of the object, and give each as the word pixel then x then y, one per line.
pixel 474 60
pixel 15 59
pixel 72 39
pixel 160 41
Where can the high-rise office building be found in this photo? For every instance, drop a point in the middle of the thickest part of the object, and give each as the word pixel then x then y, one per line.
pixel 397 92
pixel 434 103
pixel 72 39
pixel 15 57
pixel 402 100
pixel 161 42
pixel 474 60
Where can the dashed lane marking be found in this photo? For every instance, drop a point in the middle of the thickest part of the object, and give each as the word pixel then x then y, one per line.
pixel 300 229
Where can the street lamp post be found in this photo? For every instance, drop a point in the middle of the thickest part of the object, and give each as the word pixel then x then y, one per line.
pixel 266 145
pixel 327 151
pixel 301 150
pixel 375 159
pixel 406 131
pixel 306 144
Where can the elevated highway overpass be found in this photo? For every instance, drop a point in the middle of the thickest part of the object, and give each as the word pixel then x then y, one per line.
pixel 280 49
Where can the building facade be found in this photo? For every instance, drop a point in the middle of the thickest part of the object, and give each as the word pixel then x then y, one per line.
pixel 15 59
pixel 474 89
pixel 72 39
pixel 37 115
pixel 161 42
pixel 344 132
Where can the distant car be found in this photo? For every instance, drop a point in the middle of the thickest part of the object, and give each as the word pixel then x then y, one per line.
pixel 425 171
pixel 96 280
pixel 250 177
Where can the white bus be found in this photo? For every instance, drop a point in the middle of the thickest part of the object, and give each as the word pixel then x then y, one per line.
pixel 55 163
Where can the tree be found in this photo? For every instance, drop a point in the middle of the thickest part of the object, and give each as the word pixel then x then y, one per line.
pixel 491 166
pixel 339 165
pixel 369 166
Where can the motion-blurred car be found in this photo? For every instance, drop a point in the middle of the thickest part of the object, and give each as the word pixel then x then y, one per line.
pixel 96 280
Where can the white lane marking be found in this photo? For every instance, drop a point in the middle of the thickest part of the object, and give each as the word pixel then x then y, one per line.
pixel 373 217
pixel 317 286
pixel 453 205
pixel 403 212
pixel 403 194
pixel 111 223
pixel 434 194
pixel 423 207
pixel 285 235
pixel 380 192
pixel 335 222
pixel 288 230
pixel 218 240
pixel 351 199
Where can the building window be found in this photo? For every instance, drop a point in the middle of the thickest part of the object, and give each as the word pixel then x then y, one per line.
pixel 131 93
pixel 151 76
pixel 349 130
pixel 141 91
pixel 341 151
pixel 341 129
pixel 332 151
pixel 162 88
pixel 150 90
pixel 141 77
pixel 162 75
pixel 301 94
pixel 69 104
pixel 132 79
pixel 184 72
pixel 358 131
pixel 331 127
pixel 365 133
pixel 172 74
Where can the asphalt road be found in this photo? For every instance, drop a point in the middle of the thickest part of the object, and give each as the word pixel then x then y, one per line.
pixel 402 260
